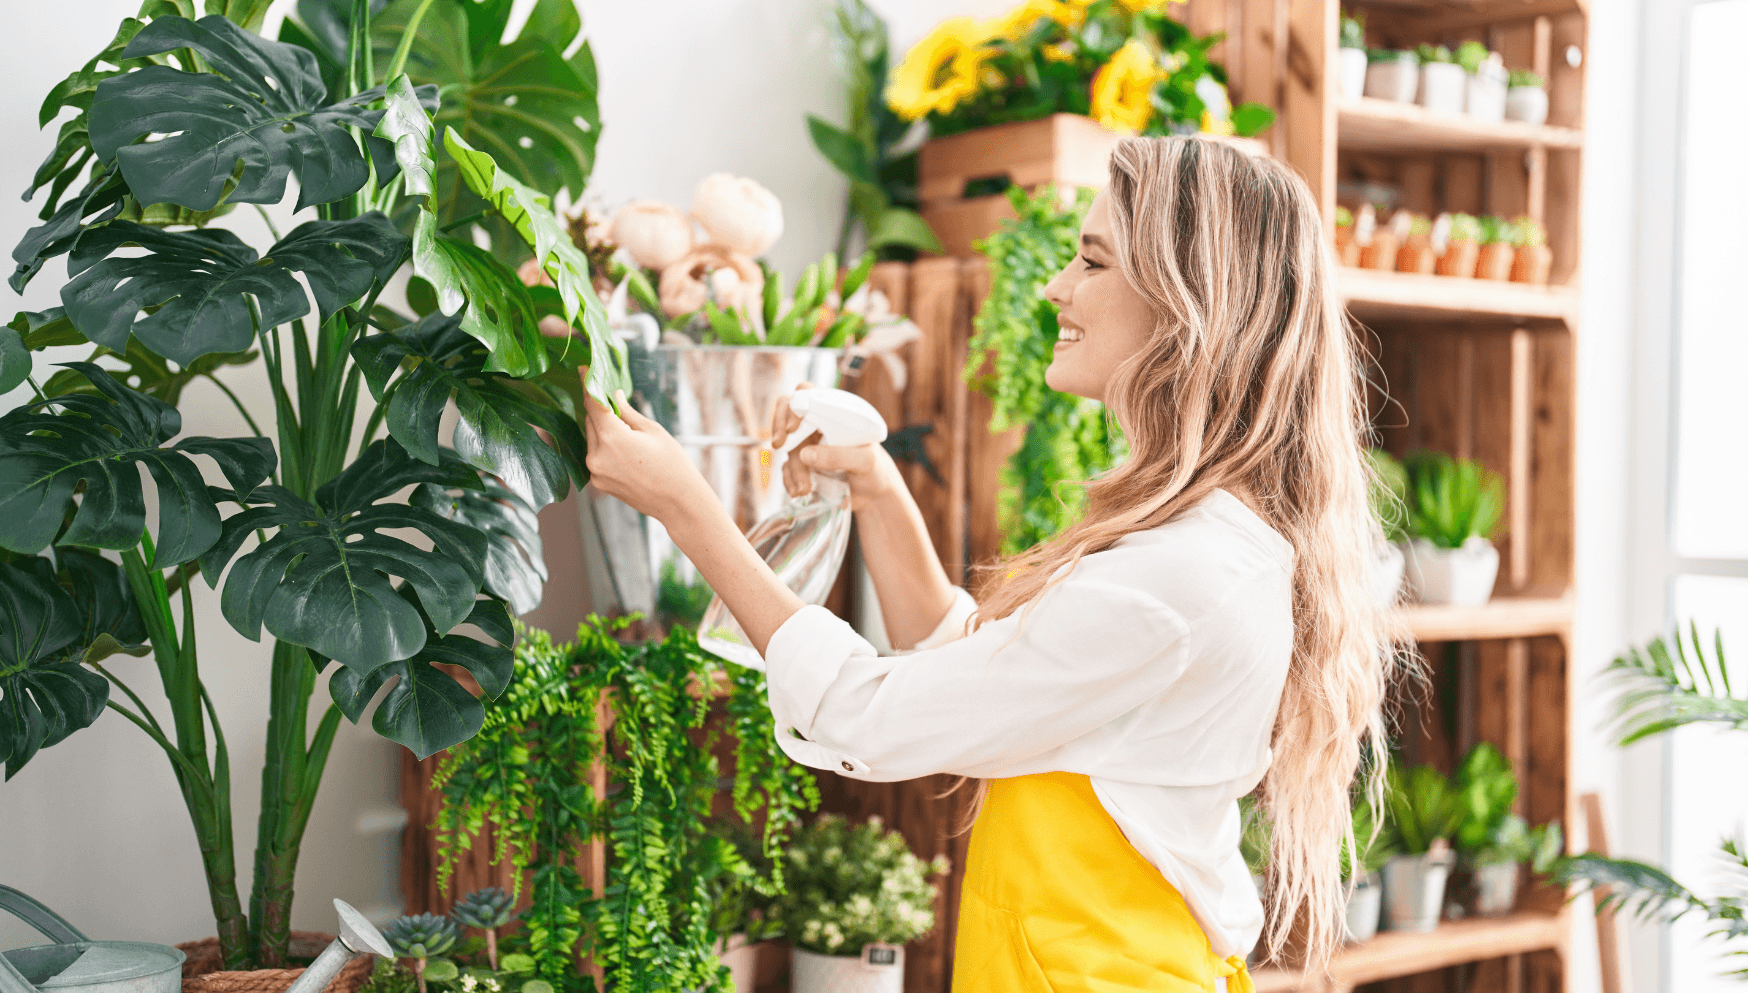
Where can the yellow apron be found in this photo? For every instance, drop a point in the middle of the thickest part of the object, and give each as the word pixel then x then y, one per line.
pixel 1056 900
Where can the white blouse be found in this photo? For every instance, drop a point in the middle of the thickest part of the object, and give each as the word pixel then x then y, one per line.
pixel 1155 668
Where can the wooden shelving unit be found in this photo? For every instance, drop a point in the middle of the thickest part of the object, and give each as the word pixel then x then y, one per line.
pixel 1374 295
pixel 1504 617
pixel 1368 124
pixel 1402 953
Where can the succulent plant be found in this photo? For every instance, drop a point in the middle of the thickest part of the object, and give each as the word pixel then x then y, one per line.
pixel 1432 54
pixel 1530 231
pixel 1353 31
pixel 487 909
pixel 419 937
pixel 1470 55
pixel 1497 231
pixel 1343 217
pixel 1527 77
pixel 1465 227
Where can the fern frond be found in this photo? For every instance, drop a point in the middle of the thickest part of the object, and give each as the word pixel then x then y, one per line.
pixel 1670 684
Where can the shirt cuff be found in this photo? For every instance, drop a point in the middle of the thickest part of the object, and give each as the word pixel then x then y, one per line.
pixel 802 660
pixel 952 626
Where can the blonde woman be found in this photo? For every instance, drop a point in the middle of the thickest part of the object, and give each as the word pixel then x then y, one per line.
pixel 1204 632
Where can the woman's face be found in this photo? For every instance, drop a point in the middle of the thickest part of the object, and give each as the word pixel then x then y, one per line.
pixel 1103 319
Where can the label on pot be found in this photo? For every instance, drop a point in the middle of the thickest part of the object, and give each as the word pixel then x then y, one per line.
pixel 883 956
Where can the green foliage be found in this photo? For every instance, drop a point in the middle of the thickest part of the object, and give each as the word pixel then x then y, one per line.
pixel 527 774
pixel 1388 493
pixel 1451 500
pixel 1374 841
pixel 850 885
pixel 1487 787
pixel 809 317
pixel 1432 54
pixel 1421 806
pixel 421 936
pixel 1527 77
pixel 1343 217
pixel 1255 835
pixel 1465 227
pixel 882 199
pixel 1514 841
pixel 387 976
pixel 1470 55
pixel 1353 31
pixel 1068 439
pixel 485 908
pixel 1496 231
pixel 1392 55
pixel 1659 688
pixel 681 602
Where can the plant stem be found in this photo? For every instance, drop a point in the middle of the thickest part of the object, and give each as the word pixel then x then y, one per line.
pixel 272 228
pixel 397 64
pixel 235 402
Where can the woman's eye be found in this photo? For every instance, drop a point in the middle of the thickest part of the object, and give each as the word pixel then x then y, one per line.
pixel 1090 264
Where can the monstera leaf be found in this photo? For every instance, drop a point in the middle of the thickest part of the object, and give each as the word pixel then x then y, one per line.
pixel 495 433
pixel 235 133
pixel 145 371
pixel 515 570
pixel 45 694
pixel 198 284
pixel 323 579
pixel 104 604
pixel 97 439
pixel 101 200
pixel 427 710
pixel 492 303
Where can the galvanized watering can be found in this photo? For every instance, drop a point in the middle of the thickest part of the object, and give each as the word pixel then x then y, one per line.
pixel 76 964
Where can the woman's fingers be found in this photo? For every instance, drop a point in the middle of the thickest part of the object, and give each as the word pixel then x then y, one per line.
pixel 838 458
pixel 784 419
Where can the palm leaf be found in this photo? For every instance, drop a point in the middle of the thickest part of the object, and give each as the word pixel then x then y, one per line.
pixel 1660 689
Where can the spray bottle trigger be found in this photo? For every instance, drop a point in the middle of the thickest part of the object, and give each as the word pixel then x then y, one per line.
pixel 840 417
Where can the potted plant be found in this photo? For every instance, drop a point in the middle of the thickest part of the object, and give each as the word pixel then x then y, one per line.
pixel 1526 97
pixel 1392 74
pixel 1498 248
pixel 1388 499
pixel 1377 241
pixel 434 955
pixel 1353 55
pixel 1453 507
pixel 1347 251
pixel 856 894
pixel 1443 83
pixel 741 893
pixel 1375 848
pixel 1462 245
pixel 1416 254
pixel 1533 259
pixel 1491 841
pixel 1422 811
pixel 197 114
pixel 1485 96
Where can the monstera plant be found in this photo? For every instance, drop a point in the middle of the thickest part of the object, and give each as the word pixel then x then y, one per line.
pixel 366 551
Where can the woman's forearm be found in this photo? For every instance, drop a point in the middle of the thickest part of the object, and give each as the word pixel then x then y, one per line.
pixel 752 592
pixel 913 589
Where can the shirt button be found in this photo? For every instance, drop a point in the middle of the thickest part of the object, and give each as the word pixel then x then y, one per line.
pixel 848 767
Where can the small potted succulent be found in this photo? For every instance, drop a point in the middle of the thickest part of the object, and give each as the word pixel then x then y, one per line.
pixel 1462 242
pixel 1491 841
pixel 1388 498
pixel 1416 254
pixel 1533 258
pixel 1392 74
pixel 1347 251
pixel 1353 56
pixel 855 895
pixel 422 938
pixel 1526 97
pixel 1365 901
pixel 1453 507
pixel 1485 97
pixel 1498 249
pixel 1377 241
pixel 1422 812
pixel 1443 83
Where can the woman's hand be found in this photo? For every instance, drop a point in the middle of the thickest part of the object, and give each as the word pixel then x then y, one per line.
pixel 637 461
pixel 871 472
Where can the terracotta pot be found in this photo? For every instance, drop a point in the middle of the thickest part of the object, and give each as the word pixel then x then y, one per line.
pixel 1347 251
pixel 1381 253
pixel 1416 258
pixel 1458 259
pixel 1494 262
pixel 202 972
pixel 1530 264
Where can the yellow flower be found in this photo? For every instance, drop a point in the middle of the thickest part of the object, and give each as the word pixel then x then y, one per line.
pixel 1123 88
pixel 1014 24
pixel 940 71
pixel 1216 125
pixel 1145 6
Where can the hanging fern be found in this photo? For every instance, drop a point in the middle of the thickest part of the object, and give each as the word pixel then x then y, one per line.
pixel 1068 439
pixel 528 774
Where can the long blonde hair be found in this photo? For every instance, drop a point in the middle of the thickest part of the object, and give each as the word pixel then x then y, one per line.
pixel 1250 379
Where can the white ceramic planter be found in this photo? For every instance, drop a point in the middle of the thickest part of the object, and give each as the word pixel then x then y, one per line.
pixel 1414 890
pixel 810 973
pixel 1364 905
pixel 1460 577
pixel 741 959
pixel 1443 87
pixel 1486 93
pixel 1393 79
pixel 1353 72
pixel 1388 564
pixel 1528 104
pixel 1495 888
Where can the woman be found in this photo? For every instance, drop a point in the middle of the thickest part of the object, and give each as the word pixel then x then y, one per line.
pixel 1203 631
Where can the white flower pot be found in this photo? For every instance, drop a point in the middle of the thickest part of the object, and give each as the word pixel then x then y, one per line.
pixel 1486 93
pixel 1460 577
pixel 1528 104
pixel 1495 888
pixel 1353 72
pixel 1393 79
pixel 1414 890
pixel 741 959
pixel 811 973
pixel 1388 563
pixel 1364 905
pixel 1442 87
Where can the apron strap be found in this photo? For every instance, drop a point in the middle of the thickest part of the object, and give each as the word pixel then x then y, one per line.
pixel 1237 975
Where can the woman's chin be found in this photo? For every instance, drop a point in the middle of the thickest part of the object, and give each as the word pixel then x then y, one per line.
pixel 1060 377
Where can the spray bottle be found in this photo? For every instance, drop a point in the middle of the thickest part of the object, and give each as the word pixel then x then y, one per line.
pixel 804 542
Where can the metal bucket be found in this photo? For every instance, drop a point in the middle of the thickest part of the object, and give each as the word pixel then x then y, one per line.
pixel 75 964
pixel 718 402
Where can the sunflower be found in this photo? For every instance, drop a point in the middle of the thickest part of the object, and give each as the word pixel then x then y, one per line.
pixel 941 70
pixel 1014 24
pixel 1122 89
pixel 1145 6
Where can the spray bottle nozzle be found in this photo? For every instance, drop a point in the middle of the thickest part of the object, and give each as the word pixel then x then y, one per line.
pixel 840 417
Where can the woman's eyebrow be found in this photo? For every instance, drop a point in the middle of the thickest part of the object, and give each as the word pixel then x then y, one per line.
pixel 1093 241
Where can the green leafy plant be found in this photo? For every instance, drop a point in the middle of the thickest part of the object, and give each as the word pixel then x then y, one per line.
pixel 1422 807
pixel 851 885
pixel 1451 500
pixel 1068 439
pixel 1432 54
pixel 882 199
pixel 1343 217
pixel 1527 231
pixel 175 122
pixel 1388 493
pixel 1488 787
pixel 1527 77
pixel 1465 227
pixel 1392 55
pixel 809 317
pixel 1514 841
pixel 1470 55
pixel 1496 231
pixel 528 775
pixel 421 937
pixel 1256 833
pixel 487 910
pixel 1353 30
pixel 1372 840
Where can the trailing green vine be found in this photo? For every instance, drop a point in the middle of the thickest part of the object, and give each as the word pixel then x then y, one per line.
pixel 527 774
pixel 1068 439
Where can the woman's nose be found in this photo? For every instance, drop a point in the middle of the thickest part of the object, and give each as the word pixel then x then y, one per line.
pixel 1057 291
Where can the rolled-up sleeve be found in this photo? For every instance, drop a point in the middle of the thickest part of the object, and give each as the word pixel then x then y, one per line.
pixel 1086 653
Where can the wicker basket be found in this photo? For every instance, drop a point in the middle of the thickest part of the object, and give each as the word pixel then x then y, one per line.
pixel 201 972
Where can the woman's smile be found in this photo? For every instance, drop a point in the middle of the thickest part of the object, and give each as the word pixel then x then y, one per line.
pixel 1067 333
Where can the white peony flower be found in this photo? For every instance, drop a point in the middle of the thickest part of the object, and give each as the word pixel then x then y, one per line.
pixel 738 213
pixel 655 234
pixel 711 272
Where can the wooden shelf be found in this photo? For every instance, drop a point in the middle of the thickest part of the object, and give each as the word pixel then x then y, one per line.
pixel 1403 953
pixel 1507 617
pixel 1372 294
pixel 1369 124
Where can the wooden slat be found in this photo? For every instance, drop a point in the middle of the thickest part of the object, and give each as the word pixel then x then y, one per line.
pixel 1503 617
pixel 1552 504
pixel 1437 22
pixel 1388 125
pixel 1492 414
pixel 1309 84
pixel 1608 937
pixel 1402 953
pixel 1393 296
pixel 986 457
pixel 935 397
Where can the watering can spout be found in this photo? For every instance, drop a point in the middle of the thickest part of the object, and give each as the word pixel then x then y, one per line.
pixel 357 937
